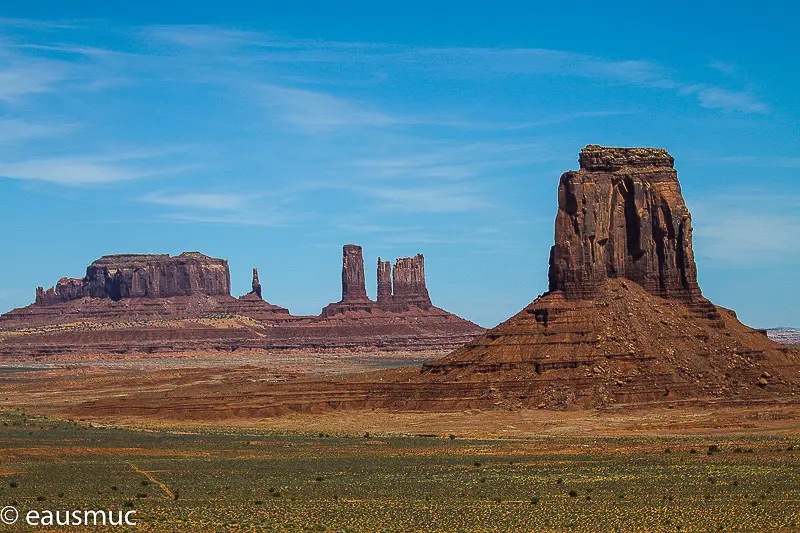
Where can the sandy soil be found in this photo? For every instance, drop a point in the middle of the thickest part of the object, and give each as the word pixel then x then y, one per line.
pixel 54 389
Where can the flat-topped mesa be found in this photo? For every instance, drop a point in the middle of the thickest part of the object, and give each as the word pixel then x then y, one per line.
pixel 354 289
pixel 384 283
pixel 622 215
pixel 408 279
pixel 143 276
pixel 256 284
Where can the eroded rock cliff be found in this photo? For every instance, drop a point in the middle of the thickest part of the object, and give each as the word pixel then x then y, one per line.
pixel 143 276
pixel 622 215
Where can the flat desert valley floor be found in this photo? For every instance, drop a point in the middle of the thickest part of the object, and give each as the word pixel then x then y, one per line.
pixel 679 466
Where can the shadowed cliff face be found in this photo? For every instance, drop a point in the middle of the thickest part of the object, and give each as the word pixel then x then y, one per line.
pixel 143 276
pixel 622 215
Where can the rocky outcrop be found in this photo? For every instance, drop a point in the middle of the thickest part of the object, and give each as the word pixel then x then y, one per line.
pixel 622 215
pixel 408 280
pixel 256 284
pixel 384 283
pixel 354 289
pixel 403 286
pixel 143 276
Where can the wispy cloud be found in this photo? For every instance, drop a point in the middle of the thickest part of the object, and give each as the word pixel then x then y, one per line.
pixel 215 201
pixel 726 100
pixel 748 227
pixel 763 161
pixel 16 130
pixel 315 112
pixel 78 171
pixel 427 199
pixel 17 81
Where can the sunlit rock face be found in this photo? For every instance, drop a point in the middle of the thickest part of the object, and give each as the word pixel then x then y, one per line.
pixel 622 215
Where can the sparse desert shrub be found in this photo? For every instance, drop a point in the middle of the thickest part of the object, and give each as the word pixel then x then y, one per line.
pixel 573 493
pixel 667 450
pixel 535 500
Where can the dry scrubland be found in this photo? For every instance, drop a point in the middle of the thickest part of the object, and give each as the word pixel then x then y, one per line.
pixel 246 480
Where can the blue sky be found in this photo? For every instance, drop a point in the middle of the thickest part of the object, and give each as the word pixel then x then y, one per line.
pixel 272 135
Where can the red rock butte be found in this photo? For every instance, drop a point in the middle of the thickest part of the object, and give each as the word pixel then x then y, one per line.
pixel 624 319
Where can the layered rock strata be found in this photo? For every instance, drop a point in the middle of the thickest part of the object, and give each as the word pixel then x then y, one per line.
pixel 68 322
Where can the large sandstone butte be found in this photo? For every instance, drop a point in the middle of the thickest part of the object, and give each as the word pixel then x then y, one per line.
pixel 624 319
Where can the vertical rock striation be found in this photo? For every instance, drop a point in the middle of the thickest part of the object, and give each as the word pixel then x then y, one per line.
pixel 399 288
pixel 354 289
pixel 622 215
pixel 409 282
pixel 143 276
pixel 384 283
